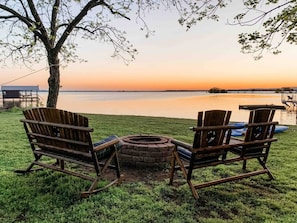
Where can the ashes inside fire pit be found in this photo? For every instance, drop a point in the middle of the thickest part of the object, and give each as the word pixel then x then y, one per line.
pixel 145 150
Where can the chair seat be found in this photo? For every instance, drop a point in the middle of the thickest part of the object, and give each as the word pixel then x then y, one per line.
pixel 105 152
pixel 249 151
pixel 185 154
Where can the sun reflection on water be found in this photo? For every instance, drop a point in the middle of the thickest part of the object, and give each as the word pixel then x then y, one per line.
pixel 169 104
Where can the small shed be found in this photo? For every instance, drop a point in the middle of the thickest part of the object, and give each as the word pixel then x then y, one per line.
pixel 15 95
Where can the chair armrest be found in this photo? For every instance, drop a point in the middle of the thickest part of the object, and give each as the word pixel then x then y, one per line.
pixel 215 127
pixel 182 144
pixel 235 141
pixel 104 145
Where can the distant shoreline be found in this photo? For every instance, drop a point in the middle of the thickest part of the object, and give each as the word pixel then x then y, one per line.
pixel 228 91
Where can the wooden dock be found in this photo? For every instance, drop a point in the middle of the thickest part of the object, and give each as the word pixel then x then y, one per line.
pixel 252 107
pixel 289 99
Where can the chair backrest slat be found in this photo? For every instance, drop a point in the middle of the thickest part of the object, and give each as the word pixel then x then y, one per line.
pixel 259 132
pixel 58 129
pixel 206 137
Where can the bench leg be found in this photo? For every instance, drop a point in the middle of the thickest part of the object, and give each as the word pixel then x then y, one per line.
pixel 29 168
pixel 119 176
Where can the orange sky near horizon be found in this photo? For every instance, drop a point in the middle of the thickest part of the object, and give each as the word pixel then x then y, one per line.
pixel 172 59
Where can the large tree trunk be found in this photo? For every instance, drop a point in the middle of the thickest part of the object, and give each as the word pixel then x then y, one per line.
pixel 53 81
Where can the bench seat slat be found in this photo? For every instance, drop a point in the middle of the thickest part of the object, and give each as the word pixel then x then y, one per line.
pixel 58 139
pixel 61 150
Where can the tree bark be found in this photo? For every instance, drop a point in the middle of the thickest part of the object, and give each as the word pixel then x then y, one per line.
pixel 53 81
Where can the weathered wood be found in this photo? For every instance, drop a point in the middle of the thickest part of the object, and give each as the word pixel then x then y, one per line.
pixel 231 178
pixel 65 137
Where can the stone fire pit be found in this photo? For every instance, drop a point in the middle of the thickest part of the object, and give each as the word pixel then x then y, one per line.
pixel 145 150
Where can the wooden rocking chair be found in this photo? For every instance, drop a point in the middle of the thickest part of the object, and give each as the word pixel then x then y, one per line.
pixel 257 141
pixel 212 144
pixel 208 148
pixel 65 137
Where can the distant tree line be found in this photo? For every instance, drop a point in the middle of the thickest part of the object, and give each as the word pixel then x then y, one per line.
pixel 217 90
pixel 286 89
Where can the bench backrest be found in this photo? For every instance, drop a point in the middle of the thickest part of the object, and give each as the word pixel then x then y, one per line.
pixel 59 131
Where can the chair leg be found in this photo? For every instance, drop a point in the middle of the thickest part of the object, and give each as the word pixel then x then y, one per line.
pixel 184 171
pixel 117 164
pixel 182 167
pixel 270 174
pixel 244 165
pixel 193 190
pixel 62 164
pixel 262 163
pixel 171 174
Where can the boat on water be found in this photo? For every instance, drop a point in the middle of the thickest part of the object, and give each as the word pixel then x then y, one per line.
pixel 241 131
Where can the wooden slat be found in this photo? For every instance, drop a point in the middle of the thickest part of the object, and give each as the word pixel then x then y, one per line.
pixel 75 142
pixel 232 178
pixel 60 150
pixel 67 126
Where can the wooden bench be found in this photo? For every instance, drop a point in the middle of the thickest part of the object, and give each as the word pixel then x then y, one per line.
pixel 213 145
pixel 65 137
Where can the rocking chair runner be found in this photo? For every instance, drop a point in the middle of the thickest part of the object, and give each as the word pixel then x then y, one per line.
pixel 65 137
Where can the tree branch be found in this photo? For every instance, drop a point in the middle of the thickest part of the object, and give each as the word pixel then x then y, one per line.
pixel 259 18
pixel 55 11
pixel 39 25
pixel 15 14
pixel 91 4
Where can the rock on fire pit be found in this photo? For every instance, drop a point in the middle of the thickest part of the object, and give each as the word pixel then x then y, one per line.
pixel 145 150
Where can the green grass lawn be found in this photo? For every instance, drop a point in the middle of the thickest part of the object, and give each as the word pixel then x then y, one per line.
pixel 47 196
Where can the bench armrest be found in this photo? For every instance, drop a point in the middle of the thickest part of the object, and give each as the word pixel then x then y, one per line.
pixel 103 145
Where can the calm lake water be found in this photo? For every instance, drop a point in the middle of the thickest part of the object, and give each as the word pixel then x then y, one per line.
pixel 168 104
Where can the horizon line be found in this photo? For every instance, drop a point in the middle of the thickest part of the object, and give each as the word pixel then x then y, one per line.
pixel 173 90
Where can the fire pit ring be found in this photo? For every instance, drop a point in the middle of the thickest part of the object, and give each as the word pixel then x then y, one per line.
pixel 145 150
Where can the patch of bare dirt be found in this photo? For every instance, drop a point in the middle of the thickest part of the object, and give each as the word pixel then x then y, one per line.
pixel 142 174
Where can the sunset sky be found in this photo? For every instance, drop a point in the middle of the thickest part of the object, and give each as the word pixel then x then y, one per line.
pixel 206 56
